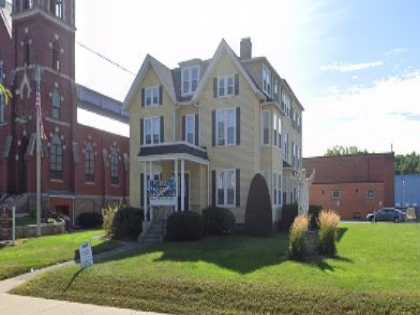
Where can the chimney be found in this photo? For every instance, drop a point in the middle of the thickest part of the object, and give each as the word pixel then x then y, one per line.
pixel 246 48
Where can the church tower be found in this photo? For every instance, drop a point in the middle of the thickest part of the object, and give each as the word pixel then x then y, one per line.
pixel 44 36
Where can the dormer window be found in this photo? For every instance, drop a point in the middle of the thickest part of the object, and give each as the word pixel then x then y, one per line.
pixel 152 97
pixel 226 86
pixel 266 78
pixel 190 76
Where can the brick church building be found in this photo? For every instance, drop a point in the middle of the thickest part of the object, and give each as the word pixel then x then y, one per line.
pixel 83 168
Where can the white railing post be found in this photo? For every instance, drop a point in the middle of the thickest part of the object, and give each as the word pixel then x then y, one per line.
pixel 150 181
pixel 182 185
pixel 176 185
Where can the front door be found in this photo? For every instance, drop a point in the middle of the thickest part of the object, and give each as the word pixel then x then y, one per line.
pixel 187 191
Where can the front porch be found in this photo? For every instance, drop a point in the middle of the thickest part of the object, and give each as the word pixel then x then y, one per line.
pixel 174 177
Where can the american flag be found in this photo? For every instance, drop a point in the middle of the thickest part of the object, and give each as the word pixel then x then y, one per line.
pixel 39 112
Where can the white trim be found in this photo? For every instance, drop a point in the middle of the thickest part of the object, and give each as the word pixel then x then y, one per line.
pixel 152 89
pixel 267 88
pixel 189 69
pixel 25 14
pixel 225 188
pixel 151 118
pixel 225 127
pixel 174 143
pixel 225 79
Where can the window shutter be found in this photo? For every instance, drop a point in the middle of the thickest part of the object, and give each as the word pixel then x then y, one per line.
pixel 196 129
pixel 162 130
pixel 183 128
pixel 141 190
pixel 238 126
pixel 213 188
pixel 141 131
pixel 237 84
pixel 215 87
pixel 160 94
pixel 142 98
pixel 213 127
pixel 238 187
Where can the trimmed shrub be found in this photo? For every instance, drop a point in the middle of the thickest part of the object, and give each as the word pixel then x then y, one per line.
pixel 90 220
pixel 314 212
pixel 328 224
pixel 184 226
pixel 128 223
pixel 288 214
pixel 123 223
pixel 298 230
pixel 258 215
pixel 218 221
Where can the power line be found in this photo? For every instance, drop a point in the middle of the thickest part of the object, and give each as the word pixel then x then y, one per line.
pixel 98 54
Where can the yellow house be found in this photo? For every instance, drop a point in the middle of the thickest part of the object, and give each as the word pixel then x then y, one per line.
pixel 199 133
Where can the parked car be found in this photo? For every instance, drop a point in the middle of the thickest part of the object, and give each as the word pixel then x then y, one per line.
pixel 387 214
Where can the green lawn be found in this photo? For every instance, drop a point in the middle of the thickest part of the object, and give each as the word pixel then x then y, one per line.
pixel 41 252
pixel 378 271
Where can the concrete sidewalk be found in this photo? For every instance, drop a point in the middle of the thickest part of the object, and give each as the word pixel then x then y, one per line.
pixel 19 305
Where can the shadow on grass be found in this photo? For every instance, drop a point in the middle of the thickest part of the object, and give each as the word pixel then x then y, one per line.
pixel 73 278
pixel 340 233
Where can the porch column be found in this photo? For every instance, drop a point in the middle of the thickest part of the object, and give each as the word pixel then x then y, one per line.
pixel 150 180
pixel 182 185
pixel 176 185
pixel 145 190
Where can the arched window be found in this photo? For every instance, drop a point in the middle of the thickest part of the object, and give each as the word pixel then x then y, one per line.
pixel 27 51
pixel 115 168
pixel 56 158
pixel 27 4
pixel 56 104
pixel 56 65
pixel 57 8
pixel 89 163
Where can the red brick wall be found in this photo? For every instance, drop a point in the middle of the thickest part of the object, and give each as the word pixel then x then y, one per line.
pixel 350 173
pixel 353 199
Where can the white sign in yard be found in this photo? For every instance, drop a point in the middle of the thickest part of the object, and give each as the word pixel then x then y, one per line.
pixel 86 257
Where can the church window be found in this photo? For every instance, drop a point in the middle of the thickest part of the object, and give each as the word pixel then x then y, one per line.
pixel 56 158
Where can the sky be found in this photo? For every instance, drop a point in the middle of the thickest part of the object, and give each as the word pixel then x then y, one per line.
pixel 354 65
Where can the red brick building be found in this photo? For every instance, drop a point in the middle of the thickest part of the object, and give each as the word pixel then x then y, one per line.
pixel 83 168
pixel 352 185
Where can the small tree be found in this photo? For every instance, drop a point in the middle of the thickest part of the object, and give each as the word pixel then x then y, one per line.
pixel 259 215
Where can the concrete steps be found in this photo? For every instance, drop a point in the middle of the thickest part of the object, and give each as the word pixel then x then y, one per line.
pixel 154 234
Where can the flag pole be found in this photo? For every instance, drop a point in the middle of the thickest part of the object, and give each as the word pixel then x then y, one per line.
pixel 38 149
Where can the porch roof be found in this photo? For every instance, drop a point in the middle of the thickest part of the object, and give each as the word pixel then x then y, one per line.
pixel 172 150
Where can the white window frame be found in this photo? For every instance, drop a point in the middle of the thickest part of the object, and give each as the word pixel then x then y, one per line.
pixel 188 117
pixel 225 79
pixel 224 114
pixel 369 196
pixel 267 80
pixel 225 203
pixel 265 126
pixel 334 196
pixel 279 189
pixel 152 90
pixel 152 134
pixel 189 70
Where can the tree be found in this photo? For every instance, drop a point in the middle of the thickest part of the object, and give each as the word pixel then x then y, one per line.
pixel 339 150
pixel 407 164
pixel 6 93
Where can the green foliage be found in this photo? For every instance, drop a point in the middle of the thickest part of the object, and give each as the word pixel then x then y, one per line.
pixel 123 223
pixel 314 211
pixel 407 164
pixel 90 220
pixel 218 221
pixel 259 215
pixel 328 224
pixel 297 247
pixel 184 226
pixel 340 150
pixel 288 214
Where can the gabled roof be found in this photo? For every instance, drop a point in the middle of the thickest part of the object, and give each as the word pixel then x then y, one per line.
pixel 163 72
pixel 6 16
pixel 169 77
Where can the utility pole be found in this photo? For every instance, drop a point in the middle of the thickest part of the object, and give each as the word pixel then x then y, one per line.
pixel 38 149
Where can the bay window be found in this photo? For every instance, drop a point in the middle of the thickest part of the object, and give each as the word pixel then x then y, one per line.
pixel 152 130
pixel 266 78
pixel 266 127
pixel 226 183
pixel 226 127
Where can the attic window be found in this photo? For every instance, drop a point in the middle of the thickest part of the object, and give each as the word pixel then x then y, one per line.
pixel 190 76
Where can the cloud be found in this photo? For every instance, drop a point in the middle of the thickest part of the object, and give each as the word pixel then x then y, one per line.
pixel 373 117
pixel 343 67
pixel 395 52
